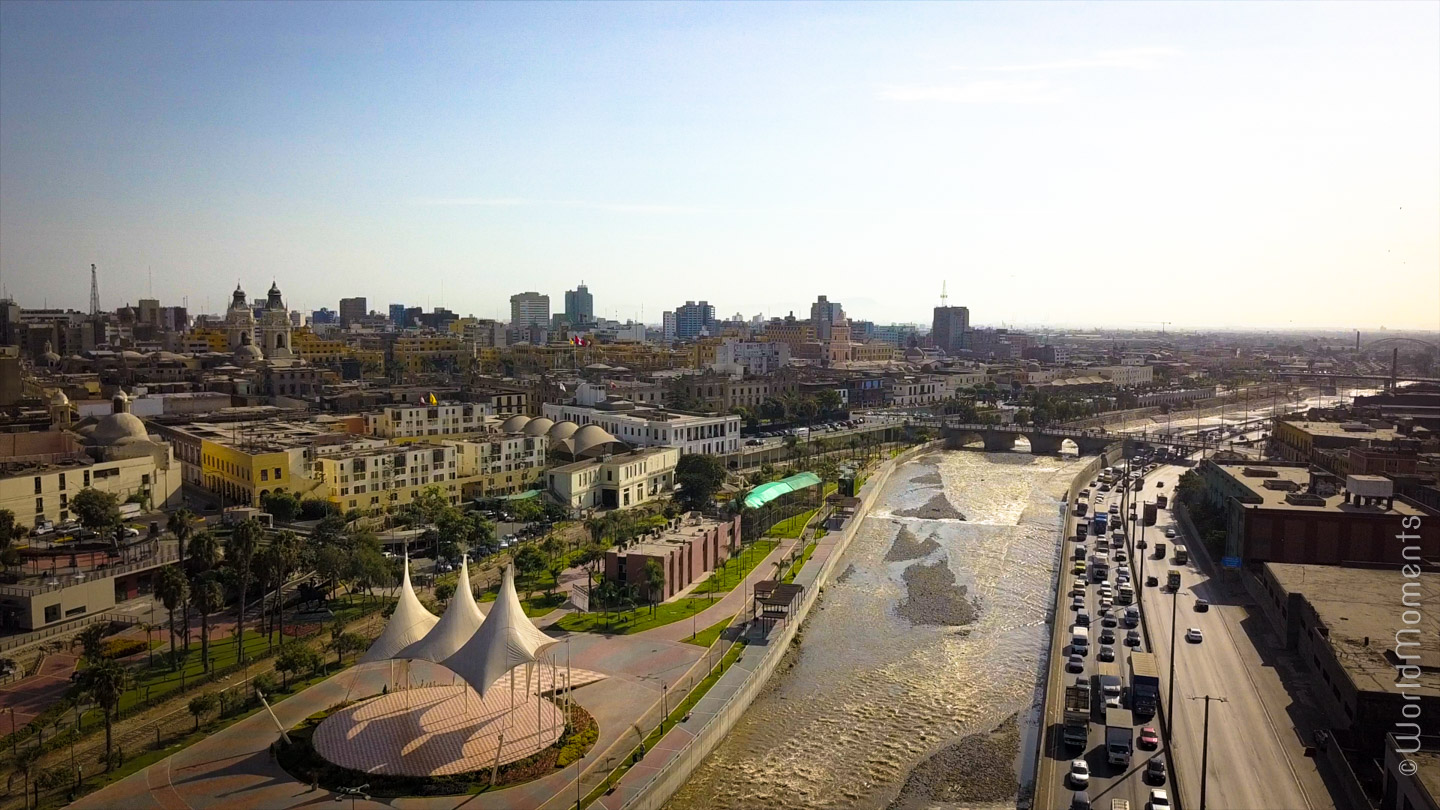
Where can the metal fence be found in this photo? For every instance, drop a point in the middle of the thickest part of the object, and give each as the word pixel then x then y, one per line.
pixel 64 627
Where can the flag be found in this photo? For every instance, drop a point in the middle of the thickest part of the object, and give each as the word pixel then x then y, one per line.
pixel 433 401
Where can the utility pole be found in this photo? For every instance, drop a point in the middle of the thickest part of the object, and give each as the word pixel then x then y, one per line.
pixel 1205 743
pixel 1170 709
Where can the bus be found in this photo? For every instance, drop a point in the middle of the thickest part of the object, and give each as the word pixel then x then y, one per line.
pixel 1181 555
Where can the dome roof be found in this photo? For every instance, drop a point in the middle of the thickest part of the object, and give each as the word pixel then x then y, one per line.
pixel 538 426
pixel 130 354
pixel 590 437
pixel 514 424
pixel 118 427
pixel 563 429
pixel 247 353
pixel 58 398
pixel 167 357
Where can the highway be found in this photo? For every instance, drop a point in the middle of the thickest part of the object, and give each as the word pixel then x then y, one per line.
pixel 1107 782
pixel 1256 758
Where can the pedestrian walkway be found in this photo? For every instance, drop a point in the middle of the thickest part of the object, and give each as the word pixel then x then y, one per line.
pixel 726 606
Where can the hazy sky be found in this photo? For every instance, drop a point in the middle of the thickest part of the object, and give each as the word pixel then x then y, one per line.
pixel 1224 164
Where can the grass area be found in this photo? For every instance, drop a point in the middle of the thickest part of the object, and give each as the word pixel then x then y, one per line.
pixel 671 721
pixel 633 621
pixel 800 563
pixel 830 486
pixel 535 606
pixel 734 570
pixel 707 636
pixel 157 679
pixel 793 526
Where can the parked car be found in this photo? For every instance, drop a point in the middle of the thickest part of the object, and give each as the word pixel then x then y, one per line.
pixel 1159 800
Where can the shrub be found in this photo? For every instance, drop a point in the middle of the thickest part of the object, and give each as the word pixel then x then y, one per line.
pixel 264 683
pixel 121 647
pixel 576 745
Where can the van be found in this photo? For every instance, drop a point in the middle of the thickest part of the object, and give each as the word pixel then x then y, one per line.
pixel 1080 638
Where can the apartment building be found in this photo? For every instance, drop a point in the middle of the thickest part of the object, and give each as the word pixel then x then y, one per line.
pixel 375 478
pixel 444 419
pixel 750 357
pixel 691 547
pixel 499 465
pixel 717 393
pixel 926 389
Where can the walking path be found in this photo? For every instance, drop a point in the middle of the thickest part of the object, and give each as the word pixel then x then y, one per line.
pixel 726 606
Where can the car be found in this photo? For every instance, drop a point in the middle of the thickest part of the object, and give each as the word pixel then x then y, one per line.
pixel 441 567
pixel 1159 800
pixel 1109 621
pixel 1149 740
pixel 1107 636
pixel 1075 663
pixel 1140 543
pixel 1106 653
pixel 130 531
pixel 1078 603
pixel 1155 771
pixel 1170 532
pixel 1194 636
pixel 1151 582
pixel 1082 618
pixel 1202 606
pixel 1078 568
pixel 1106 603
pixel 1080 800
pixel 1079 775
pixel 68 526
pixel 1132 638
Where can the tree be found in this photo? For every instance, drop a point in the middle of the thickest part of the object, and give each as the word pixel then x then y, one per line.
pixel 240 552
pixel 527 510
pixel 444 591
pixel 654 581
pixel 553 546
pixel 554 569
pixel 699 478
pixel 591 558
pixel 96 510
pixel 528 562
pixel 182 525
pixel 329 531
pixel 282 558
pixel 174 591
pixel 89 642
pixel 104 680
pixel 203 704
pixel 332 564
pixel 207 596
pixel 281 504
pixel 829 402
pixel 346 643
pixel 295 658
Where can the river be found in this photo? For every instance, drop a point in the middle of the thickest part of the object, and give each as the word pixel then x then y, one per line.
pixel 929 641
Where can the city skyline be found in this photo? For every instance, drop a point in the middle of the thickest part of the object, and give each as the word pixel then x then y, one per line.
pixel 1282 153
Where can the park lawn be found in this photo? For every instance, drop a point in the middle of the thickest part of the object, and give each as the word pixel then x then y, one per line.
pixel 707 636
pixel 623 623
pixel 793 526
pixel 800 563
pixel 734 570
pixel 535 606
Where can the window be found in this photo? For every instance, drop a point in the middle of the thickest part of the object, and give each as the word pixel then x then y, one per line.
pixel 276 473
pixel 62 482
pixel 37 485
pixel 264 475
pixel 52 613
pixel 39 505
pixel 75 611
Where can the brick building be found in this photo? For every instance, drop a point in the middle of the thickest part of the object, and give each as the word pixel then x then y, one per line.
pixel 688 550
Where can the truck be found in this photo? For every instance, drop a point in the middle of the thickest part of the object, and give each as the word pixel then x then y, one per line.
pixel 1099 524
pixel 1150 511
pixel 1077 714
pixel 1160 549
pixel 1099 567
pixel 1125 594
pixel 1172 580
pixel 1144 683
pixel 1182 555
pixel 1119 736
pixel 1161 501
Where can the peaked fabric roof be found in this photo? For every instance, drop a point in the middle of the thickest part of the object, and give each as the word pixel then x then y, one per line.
pixel 506 640
pixel 462 618
pixel 765 493
pixel 408 624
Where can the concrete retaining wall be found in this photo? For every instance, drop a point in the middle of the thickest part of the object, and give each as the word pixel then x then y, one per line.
pixel 677 771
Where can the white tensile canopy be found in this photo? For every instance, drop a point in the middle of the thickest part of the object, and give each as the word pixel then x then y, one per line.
pixel 462 618
pixel 504 641
pixel 408 624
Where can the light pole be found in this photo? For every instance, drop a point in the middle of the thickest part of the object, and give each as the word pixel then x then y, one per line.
pixel 1170 709
pixel 1205 743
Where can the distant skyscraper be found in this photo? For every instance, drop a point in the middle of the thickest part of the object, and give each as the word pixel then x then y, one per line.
pixel 352 309
pixel 951 328
pixel 397 314
pixel 693 318
pixel 826 315
pixel 579 305
pixel 667 329
pixel 529 309
pixel 323 317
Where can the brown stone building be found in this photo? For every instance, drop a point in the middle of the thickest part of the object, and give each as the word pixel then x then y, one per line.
pixel 690 548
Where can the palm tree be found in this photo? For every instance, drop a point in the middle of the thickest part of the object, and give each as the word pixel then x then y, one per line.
pixel 208 597
pixel 202 555
pixel 182 525
pixel 89 641
pixel 173 591
pixel 654 580
pixel 105 680
pixel 240 552
pixel 286 553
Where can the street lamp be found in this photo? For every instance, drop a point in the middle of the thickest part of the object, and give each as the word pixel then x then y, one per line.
pixel 1205 743
pixel 1170 709
pixel 353 793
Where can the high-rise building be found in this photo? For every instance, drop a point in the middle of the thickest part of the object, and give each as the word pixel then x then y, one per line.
pixel 667 326
pixel 826 315
pixel 352 309
pixel 529 309
pixel 579 305
pixel 322 317
pixel 692 319
pixel 397 315
pixel 950 329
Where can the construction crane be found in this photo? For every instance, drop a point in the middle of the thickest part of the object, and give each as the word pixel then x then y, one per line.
pixel 1163 324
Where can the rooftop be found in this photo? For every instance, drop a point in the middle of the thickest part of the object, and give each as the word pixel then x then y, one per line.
pixel 1428 772
pixel 1361 608
pixel 691 526
pixel 1353 430
pixel 638 453
pixel 1274 496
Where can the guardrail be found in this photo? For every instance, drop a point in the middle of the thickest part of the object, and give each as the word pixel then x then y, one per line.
pixel 104 572
pixel 63 627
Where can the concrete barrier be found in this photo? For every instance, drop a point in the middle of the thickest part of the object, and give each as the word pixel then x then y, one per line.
pixel 676 772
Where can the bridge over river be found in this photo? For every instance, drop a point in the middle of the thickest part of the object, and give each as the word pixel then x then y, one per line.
pixel 1049 440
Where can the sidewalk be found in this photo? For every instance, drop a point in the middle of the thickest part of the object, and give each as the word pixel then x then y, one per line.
pixel 726 606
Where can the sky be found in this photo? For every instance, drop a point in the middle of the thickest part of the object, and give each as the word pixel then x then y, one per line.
pixel 1123 164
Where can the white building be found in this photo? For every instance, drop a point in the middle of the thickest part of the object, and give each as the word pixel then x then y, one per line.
pixel 752 358
pixel 1125 376
pixel 925 389
pixel 411 421
pixel 668 327
pixel 615 482
pixel 654 427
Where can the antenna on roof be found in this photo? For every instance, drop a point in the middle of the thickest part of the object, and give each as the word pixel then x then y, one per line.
pixel 944 297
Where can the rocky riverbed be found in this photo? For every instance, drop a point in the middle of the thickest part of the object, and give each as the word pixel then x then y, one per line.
pixel 908 547
pixel 980 768
pixel 932 597
pixel 937 508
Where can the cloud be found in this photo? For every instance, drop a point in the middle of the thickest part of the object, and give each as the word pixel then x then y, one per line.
pixel 1005 91
pixel 1147 58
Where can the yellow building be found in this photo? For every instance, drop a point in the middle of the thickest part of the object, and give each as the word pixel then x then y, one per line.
pixel 375 478
pixel 204 339
pixel 430 352
pixel 874 352
pixel 242 461
pixel 316 350
pixel 791 331
pixel 500 465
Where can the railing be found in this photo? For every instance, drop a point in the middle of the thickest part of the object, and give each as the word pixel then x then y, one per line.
pixel 163 558
pixel 64 627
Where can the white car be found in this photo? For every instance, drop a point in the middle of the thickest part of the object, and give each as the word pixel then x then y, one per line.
pixel 1079 773
pixel 1159 800
pixel 1170 532
pixel 1194 636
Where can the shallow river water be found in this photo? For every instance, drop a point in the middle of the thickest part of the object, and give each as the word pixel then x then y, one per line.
pixel 898 681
